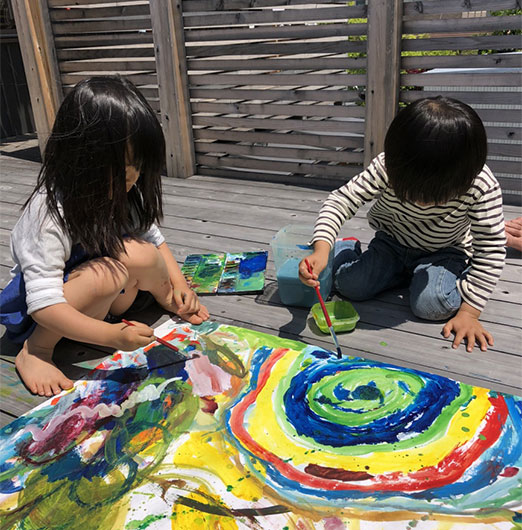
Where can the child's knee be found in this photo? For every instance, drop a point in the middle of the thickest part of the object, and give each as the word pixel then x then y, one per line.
pixel 435 306
pixel 349 284
pixel 140 255
pixel 111 277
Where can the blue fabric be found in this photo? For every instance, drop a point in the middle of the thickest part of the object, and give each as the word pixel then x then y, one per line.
pixel 431 276
pixel 13 309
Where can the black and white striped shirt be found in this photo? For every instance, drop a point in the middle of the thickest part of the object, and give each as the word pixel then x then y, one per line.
pixel 473 222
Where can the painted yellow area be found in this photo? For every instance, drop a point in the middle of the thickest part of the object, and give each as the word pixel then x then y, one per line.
pixel 265 429
pixel 212 453
pixel 9 502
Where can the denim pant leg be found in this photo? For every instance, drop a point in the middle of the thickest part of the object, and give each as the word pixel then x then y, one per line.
pixel 433 289
pixel 361 277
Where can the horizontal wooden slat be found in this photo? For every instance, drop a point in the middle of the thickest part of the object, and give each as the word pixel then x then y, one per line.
pixel 276 48
pixel 330 111
pixel 500 42
pixel 462 79
pixel 510 167
pixel 280 152
pixel 242 18
pixel 435 7
pixel 504 149
pixel 501 115
pixel 324 182
pixel 81 13
pixel 110 53
pixel 487 97
pixel 294 139
pixel 284 32
pixel 494 60
pixel 294 125
pixel 145 79
pixel 312 63
pixel 101 26
pixel 462 25
pixel 275 166
pixel 504 133
pixel 297 94
pixel 75 3
pixel 107 66
pixel 228 5
pixel 130 38
pixel 278 79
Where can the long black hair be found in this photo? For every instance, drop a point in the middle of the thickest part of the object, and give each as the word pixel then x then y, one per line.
pixel 434 149
pixel 100 122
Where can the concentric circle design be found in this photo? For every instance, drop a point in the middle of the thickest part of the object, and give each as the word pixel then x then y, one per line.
pixel 329 430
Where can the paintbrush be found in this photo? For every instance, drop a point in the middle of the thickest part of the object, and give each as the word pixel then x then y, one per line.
pixel 326 315
pixel 157 339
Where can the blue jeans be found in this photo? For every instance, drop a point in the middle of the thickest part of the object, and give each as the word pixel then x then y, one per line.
pixel 432 276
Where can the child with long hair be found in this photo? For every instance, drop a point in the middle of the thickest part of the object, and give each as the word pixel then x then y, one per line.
pixel 438 219
pixel 87 241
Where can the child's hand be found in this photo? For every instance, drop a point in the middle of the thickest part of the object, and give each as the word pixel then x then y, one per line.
pixel 465 325
pixel 318 262
pixel 514 233
pixel 129 338
pixel 188 306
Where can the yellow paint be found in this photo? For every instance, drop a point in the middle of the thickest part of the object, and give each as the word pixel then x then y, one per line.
pixel 265 429
pixel 213 454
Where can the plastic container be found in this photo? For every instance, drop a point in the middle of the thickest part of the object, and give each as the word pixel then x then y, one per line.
pixel 343 315
pixel 289 247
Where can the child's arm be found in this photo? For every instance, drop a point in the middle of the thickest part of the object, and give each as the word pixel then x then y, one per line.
pixel 486 264
pixel 186 300
pixel 66 321
pixel 341 205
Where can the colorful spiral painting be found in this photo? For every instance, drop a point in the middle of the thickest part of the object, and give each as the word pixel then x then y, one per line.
pixel 244 430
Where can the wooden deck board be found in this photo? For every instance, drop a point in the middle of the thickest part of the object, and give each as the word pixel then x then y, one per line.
pixel 206 214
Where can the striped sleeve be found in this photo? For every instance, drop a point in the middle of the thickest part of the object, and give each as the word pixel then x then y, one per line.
pixel 488 241
pixel 343 203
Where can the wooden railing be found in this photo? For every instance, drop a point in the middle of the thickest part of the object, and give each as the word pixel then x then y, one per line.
pixel 283 89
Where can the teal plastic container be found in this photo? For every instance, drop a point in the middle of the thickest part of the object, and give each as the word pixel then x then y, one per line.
pixel 289 247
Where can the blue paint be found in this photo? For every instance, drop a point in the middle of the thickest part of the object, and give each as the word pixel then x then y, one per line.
pixel 430 401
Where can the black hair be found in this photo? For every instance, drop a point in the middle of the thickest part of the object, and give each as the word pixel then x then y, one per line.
pixel 100 123
pixel 434 149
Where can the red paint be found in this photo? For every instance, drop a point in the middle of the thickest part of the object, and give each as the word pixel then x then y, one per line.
pixel 210 406
pixel 509 471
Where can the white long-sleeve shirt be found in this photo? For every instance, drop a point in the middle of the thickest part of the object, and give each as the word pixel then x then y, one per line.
pixel 40 249
pixel 473 222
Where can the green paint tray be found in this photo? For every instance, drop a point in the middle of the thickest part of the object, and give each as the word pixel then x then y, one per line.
pixel 343 315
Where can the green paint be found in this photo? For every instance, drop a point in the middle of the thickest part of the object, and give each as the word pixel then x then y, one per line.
pixel 465 429
pixel 482 437
pixel 382 343
pixel 144 523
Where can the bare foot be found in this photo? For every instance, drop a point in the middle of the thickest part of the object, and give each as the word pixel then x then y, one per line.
pixel 39 373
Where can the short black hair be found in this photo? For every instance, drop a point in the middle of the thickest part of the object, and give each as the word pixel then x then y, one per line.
pixel 101 120
pixel 434 149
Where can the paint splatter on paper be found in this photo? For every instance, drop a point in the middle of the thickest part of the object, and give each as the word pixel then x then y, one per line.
pixel 243 430
pixel 226 273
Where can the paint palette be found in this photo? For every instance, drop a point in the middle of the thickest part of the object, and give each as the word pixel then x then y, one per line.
pixel 226 273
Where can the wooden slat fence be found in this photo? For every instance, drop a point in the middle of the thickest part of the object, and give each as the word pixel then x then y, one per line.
pixel 295 91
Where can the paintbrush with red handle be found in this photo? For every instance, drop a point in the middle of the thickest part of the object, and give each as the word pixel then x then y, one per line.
pixel 326 315
pixel 157 339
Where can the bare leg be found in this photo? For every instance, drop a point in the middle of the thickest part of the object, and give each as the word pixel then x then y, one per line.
pixel 147 272
pixel 91 289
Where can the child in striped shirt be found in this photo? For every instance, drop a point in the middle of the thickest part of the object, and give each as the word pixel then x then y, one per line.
pixel 438 219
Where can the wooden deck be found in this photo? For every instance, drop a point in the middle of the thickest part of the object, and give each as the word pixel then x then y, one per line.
pixel 206 214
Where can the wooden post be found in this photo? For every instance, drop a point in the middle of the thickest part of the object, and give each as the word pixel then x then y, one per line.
pixel 36 40
pixel 169 48
pixel 383 72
